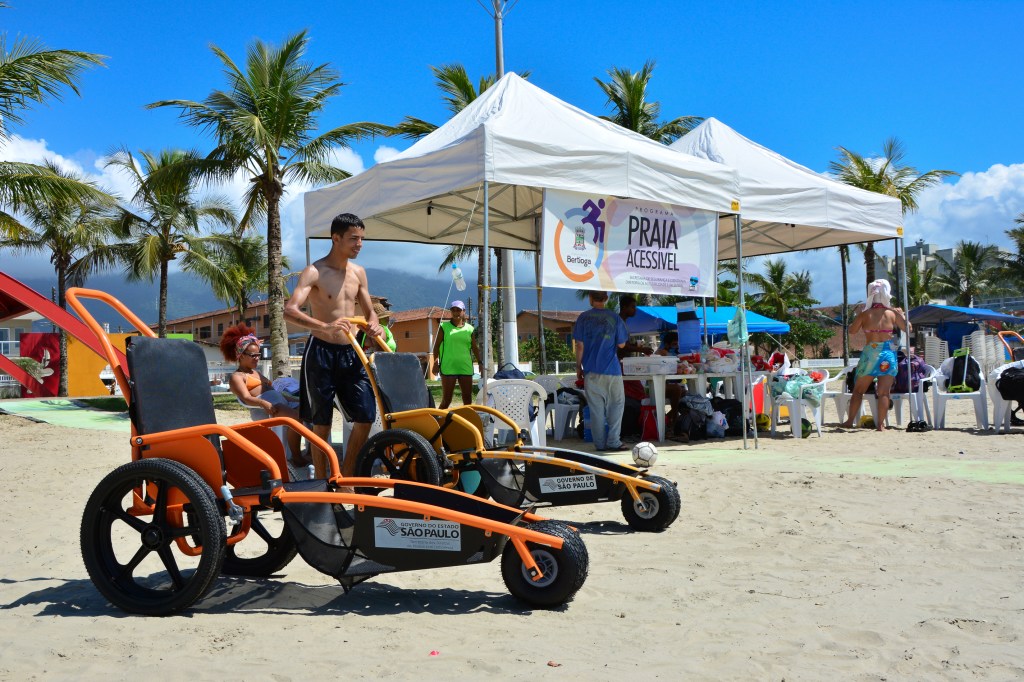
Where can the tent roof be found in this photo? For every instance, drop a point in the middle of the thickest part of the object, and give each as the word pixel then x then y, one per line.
pixel 787 207
pixel 521 140
pixel 659 318
pixel 935 314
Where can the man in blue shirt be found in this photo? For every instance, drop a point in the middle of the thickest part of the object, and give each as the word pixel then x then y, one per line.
pixel 598 334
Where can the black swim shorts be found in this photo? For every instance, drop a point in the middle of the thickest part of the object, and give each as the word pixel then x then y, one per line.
pixel 329 370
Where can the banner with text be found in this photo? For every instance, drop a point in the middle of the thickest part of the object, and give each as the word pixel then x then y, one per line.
pixel 626 245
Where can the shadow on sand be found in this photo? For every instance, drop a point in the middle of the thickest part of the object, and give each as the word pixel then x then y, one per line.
pixel 79 597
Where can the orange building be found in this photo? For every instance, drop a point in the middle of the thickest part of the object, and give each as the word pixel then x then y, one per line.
pixel 414 331
pixel 558 321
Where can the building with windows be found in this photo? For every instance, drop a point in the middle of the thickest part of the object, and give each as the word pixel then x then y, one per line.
pixel 209 327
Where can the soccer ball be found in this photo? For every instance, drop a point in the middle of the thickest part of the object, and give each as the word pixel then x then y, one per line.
pixel 764 422
pixel 805 427
pixel 645 454
pixel 867 422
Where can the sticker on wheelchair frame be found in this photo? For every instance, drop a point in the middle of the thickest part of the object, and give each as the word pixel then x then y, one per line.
pixel 443 536
pixel 568 484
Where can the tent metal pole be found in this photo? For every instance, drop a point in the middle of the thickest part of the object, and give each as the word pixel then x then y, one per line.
pixel 745 351
pixel 542 346
pixel 901 250
pixel 307 251
pixel 485 303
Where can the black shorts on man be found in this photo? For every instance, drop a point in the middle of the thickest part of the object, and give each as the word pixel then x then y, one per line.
pixel 329 370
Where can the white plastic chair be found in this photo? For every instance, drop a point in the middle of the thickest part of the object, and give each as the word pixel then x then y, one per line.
pixel 562 416
pixel 940 397
pixel 840 398
pixel 513 397
pixel 935 351
pixel 1002 410
pixel 797 407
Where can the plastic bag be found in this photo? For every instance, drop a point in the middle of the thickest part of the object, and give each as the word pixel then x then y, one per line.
pixel 717 425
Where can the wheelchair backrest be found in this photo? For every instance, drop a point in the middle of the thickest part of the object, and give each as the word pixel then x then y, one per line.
pixel 400 382
pixel 169 383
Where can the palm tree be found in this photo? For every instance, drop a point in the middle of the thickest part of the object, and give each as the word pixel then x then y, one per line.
pixel 165 222
pixel 264 123
pixel 885 175
pixel 70 230
pixel 974 271
pixel 844 258
pixel 627 95
pixel 1013 264
pixel 245 273
pixel 920 285
pixel 31 74
pixel 779 290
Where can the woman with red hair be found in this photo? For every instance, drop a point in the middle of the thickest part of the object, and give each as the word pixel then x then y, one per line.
pixel 240 344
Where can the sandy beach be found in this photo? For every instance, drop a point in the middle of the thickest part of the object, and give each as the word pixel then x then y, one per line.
pixel 857 556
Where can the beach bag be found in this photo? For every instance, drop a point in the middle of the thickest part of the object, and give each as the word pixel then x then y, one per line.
pixel 509 371
pixel 918 371
pixel 1010 384
pixel 965 375
pixel 694 412
pixel 732 410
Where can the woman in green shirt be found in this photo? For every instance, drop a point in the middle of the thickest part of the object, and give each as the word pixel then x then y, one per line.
pixel 454 350
pixel 383 319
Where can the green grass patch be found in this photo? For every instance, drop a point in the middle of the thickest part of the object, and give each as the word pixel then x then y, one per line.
pixel 112 404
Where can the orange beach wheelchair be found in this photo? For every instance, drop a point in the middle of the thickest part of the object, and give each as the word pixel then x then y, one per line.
pixel 154 537
pixel 455 449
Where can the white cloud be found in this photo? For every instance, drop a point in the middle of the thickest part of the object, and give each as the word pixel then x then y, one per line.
pixel 385 153
pixel 977 207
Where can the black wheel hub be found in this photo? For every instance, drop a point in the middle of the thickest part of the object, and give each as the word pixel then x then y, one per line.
pixel 152 537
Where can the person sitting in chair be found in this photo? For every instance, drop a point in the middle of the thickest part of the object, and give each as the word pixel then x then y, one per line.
pixel 240 344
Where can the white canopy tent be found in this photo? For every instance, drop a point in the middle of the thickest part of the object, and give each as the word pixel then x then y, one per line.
pixel 787 207
pixel 479 179
pixel 519 140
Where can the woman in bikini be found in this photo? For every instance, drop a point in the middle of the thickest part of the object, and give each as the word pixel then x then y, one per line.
pixel 879 322
pixel 239 344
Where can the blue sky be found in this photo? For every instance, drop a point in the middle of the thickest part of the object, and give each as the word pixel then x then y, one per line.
pixel 798 77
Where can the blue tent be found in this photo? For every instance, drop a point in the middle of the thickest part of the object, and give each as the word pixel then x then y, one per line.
pixel 952 323
pixel 663 318
pixel 937 314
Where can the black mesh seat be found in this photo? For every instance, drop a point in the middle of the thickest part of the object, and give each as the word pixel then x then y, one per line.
pixel 400 382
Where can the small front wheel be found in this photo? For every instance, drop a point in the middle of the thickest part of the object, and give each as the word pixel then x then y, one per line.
pixel 655 511
pixel 398 454
pixel 564 570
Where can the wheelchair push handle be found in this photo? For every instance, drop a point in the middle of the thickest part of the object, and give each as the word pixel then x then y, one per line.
pixel 363 324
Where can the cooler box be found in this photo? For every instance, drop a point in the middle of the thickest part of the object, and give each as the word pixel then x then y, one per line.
pixel 654 364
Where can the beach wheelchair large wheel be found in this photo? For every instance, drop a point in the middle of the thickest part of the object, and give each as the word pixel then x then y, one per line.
pixel 564 570
pixel 136 562
pixel 400 454
pixel 266 549
pixel 655 511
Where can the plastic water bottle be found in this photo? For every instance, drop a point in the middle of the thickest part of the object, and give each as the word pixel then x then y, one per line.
pixel 588 435
pixel 460 281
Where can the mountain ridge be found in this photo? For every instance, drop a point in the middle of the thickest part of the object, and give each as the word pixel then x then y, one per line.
pixel 188 295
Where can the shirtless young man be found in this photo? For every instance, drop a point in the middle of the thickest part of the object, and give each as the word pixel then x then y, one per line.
pixel 330 366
